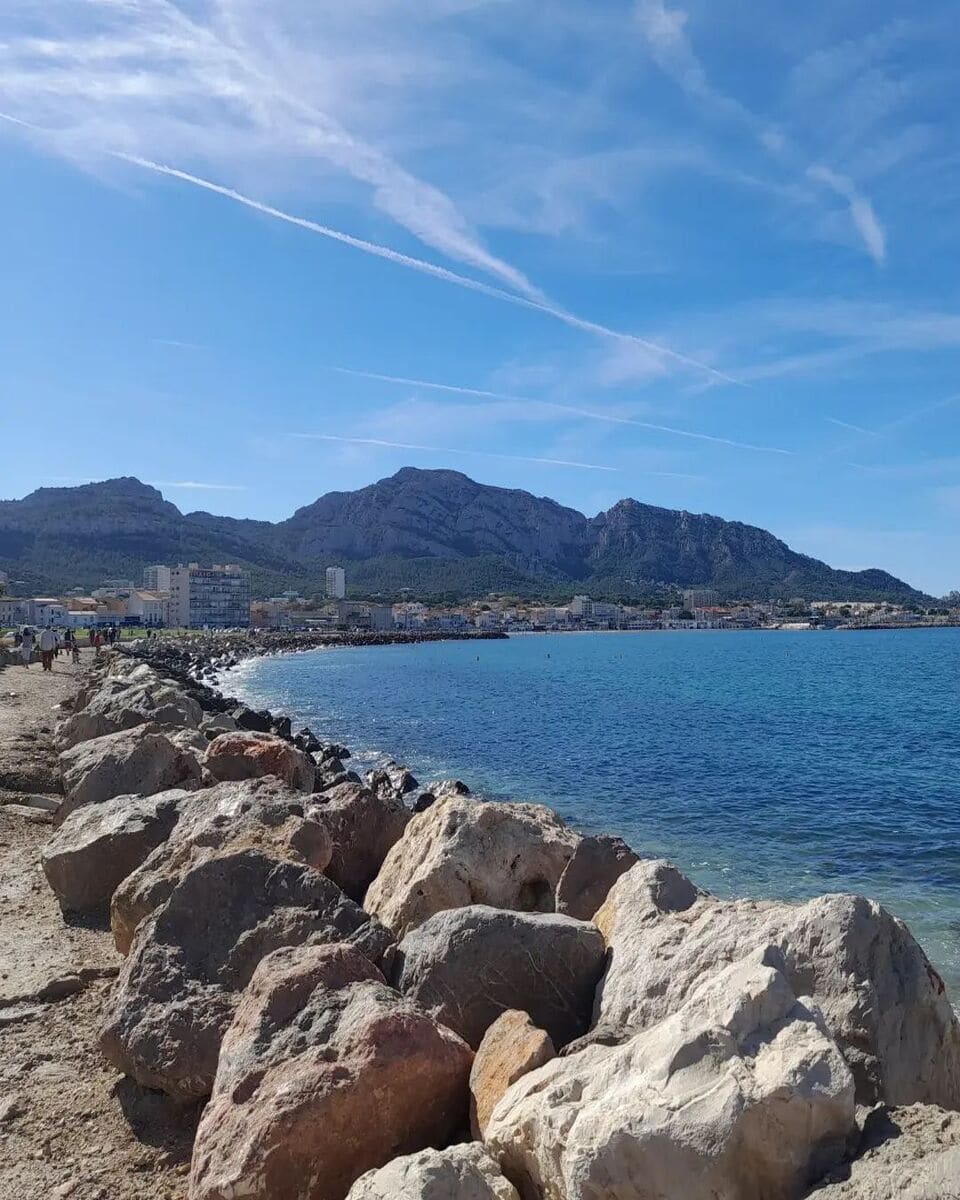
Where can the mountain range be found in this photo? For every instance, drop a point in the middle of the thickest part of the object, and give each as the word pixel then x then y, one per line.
pixel 438 533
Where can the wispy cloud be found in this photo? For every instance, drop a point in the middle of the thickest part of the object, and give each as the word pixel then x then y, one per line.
pixel 573 410
pixel 384 444
pixel 664 30
pixel 196 485
pixel 861 210
pixel 176 344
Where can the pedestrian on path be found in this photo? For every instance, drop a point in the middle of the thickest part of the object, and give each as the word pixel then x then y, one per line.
pixel 48 645
pixel 26 645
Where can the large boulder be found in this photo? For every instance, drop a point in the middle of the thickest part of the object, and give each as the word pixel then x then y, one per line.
pixel 124 703
pixel 910 1153
pixel 464 1172
pixel 881 999
pixel 511 1048
pixel 248 755
pixel 99 845
pixel 738 1096
pixel 325 1073
pixel 140 761
pixel 363 826
pixel 597 863
pixel 264 814
pixel 468 965
pixel 191 959
pixel 461 851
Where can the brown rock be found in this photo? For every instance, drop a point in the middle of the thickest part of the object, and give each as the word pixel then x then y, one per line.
pixel 325 1073
pixel 236 756
pixel 511 1047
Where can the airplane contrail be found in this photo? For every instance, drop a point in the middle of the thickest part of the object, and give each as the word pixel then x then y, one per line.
pixel 364 441
pixel 406 260
pixel 569 408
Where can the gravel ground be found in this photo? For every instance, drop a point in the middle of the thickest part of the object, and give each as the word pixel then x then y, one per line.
pixel 69 1125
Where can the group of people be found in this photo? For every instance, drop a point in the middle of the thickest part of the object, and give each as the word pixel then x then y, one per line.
pixel 51 641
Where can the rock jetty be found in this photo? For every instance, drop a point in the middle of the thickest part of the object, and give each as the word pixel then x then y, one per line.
pixel 385 989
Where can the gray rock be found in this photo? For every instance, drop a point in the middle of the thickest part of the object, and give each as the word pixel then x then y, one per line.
pixel 257 813
pixel 124 703
pixel 191 959
pixel 595 866
pixel 142 760
pixel 363 827
pixel 466 966
pixel 99 845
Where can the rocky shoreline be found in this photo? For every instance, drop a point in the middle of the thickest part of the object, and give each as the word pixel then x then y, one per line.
pixel 370 987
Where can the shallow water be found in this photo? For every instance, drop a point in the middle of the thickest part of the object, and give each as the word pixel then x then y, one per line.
pixel 763 764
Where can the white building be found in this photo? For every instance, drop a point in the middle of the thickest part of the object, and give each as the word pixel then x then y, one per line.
pixel 156 578
pixel 336 583
pixel 46 611
pixel 12 611
pixel 149 608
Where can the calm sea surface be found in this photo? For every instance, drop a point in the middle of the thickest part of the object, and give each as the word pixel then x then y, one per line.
pixel 764 764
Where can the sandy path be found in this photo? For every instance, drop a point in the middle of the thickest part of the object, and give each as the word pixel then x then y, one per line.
pixel 69 1126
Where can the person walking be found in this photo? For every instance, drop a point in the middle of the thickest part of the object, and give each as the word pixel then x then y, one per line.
pixel 26 645
pixel 48 644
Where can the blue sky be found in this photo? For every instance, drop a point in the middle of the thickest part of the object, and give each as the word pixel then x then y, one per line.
pixel 701 254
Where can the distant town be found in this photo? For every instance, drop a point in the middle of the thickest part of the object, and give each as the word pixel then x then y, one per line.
pixel 190 596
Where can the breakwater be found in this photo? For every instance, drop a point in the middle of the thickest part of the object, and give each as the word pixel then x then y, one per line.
pixel 376 985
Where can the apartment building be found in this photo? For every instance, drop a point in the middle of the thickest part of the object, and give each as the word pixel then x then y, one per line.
pixel 216 597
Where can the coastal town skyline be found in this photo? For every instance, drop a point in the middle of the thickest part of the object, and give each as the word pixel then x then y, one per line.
pixel 256 255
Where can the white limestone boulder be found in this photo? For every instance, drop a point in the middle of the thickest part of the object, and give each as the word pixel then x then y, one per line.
pixel 738 1096
pixel 465 1172
pixel 460 851
pixel 881 999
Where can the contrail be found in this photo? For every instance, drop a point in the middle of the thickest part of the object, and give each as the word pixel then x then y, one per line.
pixel 405 260
pixel 362 441
pixel 852 428
pixel 568 408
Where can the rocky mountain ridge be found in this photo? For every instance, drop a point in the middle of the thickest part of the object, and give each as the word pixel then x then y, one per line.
pixel 438 532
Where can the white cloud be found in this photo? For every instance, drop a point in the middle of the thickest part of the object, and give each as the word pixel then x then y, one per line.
pixel 196 485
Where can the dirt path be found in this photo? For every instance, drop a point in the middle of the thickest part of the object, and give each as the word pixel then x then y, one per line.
pixel 69 1126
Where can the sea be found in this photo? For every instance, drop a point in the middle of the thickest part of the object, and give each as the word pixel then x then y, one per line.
pixel 764 764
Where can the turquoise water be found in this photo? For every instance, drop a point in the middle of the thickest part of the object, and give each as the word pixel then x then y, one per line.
pixel 764 764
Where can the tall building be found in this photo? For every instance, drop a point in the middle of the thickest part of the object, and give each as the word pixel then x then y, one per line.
pixel 336 583
pixel 156 579
pixel 699 598
pixel 217 597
